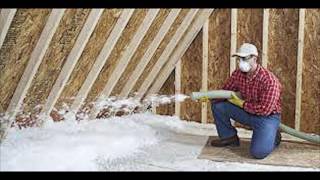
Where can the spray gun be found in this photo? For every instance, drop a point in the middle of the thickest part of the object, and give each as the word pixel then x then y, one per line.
pixel 225 94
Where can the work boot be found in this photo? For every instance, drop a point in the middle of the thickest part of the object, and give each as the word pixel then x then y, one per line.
pixel 231 141
pixel 278 138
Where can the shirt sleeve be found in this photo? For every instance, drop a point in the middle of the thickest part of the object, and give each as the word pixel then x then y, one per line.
pixel 267 100
pixel 231 82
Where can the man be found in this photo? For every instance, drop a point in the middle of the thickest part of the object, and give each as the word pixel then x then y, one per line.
pixel 256 104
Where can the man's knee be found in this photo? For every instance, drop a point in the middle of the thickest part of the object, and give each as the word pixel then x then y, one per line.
pixel 259 153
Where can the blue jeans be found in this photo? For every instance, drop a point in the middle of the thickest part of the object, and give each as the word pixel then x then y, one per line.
pixel 264 127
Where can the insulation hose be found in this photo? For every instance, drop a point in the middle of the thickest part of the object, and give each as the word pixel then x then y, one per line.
pixel 224 94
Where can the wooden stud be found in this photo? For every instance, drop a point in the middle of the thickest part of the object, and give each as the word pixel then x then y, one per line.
pixel 72 59
pixel 102 58
pixel 166 53
pixel 181 49
pixel 233 48
pixel 265 33
pixel 33 65
pixel 177 85
pixel 299 68
pixel 149 52
pixel 154 109
pixel 6 18
pixel 205 54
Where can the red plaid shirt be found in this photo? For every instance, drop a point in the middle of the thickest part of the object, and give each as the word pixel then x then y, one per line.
pixel 261 91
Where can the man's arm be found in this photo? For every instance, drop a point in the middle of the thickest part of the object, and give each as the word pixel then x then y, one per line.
pixel 267 100
pixel 230 84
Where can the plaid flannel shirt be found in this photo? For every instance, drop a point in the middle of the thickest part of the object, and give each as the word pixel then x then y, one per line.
pixel 260 92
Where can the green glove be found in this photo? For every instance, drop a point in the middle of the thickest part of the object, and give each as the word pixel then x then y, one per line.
pixel 236 100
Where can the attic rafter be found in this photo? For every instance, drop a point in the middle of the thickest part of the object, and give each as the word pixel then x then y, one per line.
pixel 33 64
pixel 181 49
pixel 149 52
pixel 72 59
pixel 167 51
pixel 126 57
pixel 102 58
pixel 6 18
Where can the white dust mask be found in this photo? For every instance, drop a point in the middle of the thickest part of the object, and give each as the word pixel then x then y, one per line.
pixel 244 66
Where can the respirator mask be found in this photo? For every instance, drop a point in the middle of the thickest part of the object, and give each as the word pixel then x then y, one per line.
pixel 244 65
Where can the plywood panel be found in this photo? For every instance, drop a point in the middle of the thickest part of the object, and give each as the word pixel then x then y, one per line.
pixel 58 50
pixel 191 75
pixel 161 48
pixel 167 89
pixel 283 42
pixel 151 33
pixel 250 28
pixel 22 37
pixel 116 53
pixel 89 55
pixel 310 107
pixel 219 48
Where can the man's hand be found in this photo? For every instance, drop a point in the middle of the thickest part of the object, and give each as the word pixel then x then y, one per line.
pixel 204 99
pixel 236 100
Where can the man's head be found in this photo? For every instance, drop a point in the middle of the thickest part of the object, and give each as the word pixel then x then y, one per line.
pixel 247 55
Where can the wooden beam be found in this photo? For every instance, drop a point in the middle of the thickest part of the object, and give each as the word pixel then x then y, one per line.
pixel 265 33
pixel 102 58
pixel 181 49
pixel 6 18
pixel 130 50
pixel 167 51
pixel 33 64
pixel 299 68
pixel 177 87
pixel 205 53
pixel 233 48
pixel 149 52
pixel 72 59
pixel 127 55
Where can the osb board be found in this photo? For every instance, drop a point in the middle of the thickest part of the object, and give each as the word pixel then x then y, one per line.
pixel 191 76
pixel 219 51
pixel 249 28
pixel 143 46
pixel 55 56
pixel 160 49
pixel 287 154
pixel 310 106
pixel 127 34
pixel 90 53
pixel 282 57
pixel 15 52
pixel 167 89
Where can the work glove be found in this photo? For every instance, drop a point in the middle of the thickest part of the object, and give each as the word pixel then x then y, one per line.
pixel 236 100
pixel 204 99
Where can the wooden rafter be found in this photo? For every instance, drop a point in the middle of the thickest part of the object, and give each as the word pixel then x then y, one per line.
pixel 149 52
pixel 181 49
pixel 72 59
pixel 102 58
pixel 167 51
pixel 6 18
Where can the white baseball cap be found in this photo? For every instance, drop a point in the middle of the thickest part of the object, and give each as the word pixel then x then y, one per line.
pixel 246 49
